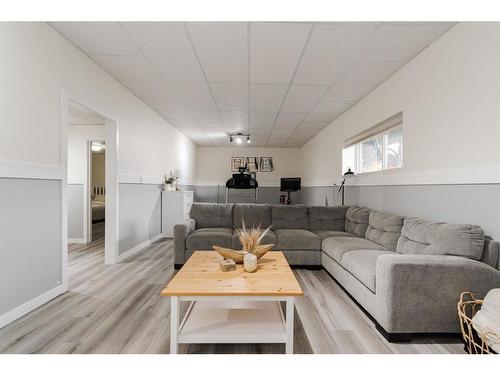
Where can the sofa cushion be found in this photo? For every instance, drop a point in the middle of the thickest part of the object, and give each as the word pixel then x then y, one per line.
pixel 327 218
pixel 424 237
pixel 205 238
pixel 356 220
pixel 269 238
pixel 253 215
pixel 332 233
pixel 362 264
pixel 212 215
pixel 297 239
pixel 289 217
pixel 336 247
pixel 384 229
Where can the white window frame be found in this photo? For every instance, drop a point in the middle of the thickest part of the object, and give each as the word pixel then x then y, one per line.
pixel 384 134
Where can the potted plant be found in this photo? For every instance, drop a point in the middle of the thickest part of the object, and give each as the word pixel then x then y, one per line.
pixel 170 182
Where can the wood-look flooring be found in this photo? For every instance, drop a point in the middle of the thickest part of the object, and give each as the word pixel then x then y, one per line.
pixel 118 309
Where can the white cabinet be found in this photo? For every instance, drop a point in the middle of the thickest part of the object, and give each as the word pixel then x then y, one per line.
pixel 175 207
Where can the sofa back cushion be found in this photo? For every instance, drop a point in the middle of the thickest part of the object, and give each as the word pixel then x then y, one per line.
pixel 289 217
pixel 212 215
pixel 384 229
pixel 254 215
pixel 327 218
pixel 356 220
pixel 491 252
pixel 424 237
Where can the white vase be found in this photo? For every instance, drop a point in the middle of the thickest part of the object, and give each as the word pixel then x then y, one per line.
pixel 250 262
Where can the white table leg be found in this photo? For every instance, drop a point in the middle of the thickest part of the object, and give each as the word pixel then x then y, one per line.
pixel 174 324
pixel 289 325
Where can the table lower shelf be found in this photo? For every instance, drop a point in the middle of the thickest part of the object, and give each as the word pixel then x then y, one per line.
pixel 233 322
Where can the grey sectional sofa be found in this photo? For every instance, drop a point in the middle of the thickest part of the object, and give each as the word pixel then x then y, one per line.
pixel 407 273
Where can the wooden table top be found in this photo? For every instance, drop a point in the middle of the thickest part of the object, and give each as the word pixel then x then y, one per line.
pixel 201 276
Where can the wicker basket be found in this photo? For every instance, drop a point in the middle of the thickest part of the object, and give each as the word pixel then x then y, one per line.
pixel 467 308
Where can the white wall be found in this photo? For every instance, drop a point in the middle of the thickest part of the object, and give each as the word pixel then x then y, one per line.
pixel 78 136
pixel 450 98
pixel 36 66
pixel 36 63
pixel 214 164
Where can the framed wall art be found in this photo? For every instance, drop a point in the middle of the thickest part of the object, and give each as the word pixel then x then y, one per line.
pixel 266 164
pixel 236 163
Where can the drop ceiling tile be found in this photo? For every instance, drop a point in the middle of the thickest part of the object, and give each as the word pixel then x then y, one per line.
pixel 321 116
pixel 329 107
pixel 293 144
pixel 262 120
pixel 369 73
pixel 127 67
pixel 401 41
pixel 275 49
pixel 260 131
pixel 208 119
pixel 231 96
pixel 194 96
pixel 347 92
pixel 330 50
pixel 276 144
pixel 278 133
pixel 98 37
pixel 305 131
pixel 168 47
pixel 299 137
pixel 302 98
pixel 289 120
pixel 313 125
pixel 222 48
pixel 237 120
pixel 266 98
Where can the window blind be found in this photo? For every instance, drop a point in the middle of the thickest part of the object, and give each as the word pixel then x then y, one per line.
pixel 391 122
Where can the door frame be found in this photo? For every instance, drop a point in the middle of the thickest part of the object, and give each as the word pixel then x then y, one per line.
pixel 111 183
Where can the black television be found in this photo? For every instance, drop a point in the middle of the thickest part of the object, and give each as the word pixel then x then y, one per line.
pixel 290 184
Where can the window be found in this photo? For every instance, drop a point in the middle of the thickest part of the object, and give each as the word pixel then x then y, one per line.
pixel 378 148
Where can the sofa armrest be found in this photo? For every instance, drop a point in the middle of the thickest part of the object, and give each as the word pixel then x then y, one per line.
pixel 419 293
pixel 181 231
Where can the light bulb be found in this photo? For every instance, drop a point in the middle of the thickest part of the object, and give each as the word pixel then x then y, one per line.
pixel 248 139
pixel 238 140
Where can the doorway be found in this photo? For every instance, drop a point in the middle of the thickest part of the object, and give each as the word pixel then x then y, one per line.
pixel 90 188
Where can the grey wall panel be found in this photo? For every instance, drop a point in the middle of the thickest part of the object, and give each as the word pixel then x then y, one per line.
pixel 212 194
pixel 321 196
pixel 75 211
pixel 30 239
pixel 461 204
pixel 139 214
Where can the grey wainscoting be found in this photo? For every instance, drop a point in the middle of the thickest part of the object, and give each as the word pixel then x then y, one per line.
pixel 461 203
pixel 30 239
pixel 139 214
pixel 213 194
pixel 75 211
pixel 321 196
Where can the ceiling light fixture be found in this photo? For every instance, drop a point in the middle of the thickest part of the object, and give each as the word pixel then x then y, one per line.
pixel 96 146
pixel 239 137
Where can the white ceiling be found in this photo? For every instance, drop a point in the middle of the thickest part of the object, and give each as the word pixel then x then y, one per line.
pixel 81 115
pixel 281 82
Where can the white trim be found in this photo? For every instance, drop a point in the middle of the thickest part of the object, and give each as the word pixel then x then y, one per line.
pixel 75 180
pixel 28 170
pixel 458 176
pixel 77 240
pixel 139 247
pixel 112 192
pixel 32 304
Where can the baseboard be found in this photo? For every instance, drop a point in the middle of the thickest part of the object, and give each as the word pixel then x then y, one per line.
pixel 138 248
pixel 32 304
pixel 76 240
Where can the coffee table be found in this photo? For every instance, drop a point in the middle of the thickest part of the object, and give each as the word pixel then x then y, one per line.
pixel 234 306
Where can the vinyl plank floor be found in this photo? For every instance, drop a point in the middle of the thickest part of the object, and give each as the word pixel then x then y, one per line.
pixel 118 309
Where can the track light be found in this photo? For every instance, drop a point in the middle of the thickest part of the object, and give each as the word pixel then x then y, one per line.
pixel 248 139
pixel 238 140
pixel 231 138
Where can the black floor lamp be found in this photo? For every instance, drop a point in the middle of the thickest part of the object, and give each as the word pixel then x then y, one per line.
pixel 346 175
